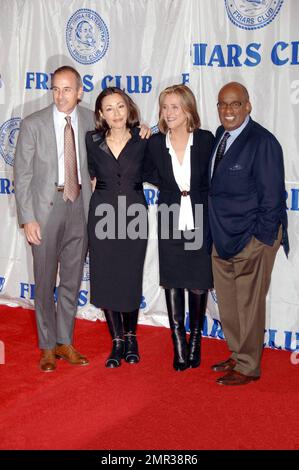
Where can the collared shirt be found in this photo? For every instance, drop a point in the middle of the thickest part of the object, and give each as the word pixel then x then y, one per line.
pixel 59 125
pixel 232 137
pixel 182 175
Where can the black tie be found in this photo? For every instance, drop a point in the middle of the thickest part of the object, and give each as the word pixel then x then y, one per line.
pixel 220 151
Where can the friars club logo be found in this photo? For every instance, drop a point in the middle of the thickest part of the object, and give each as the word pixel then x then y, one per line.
pixel 87 36
pixel 252 14
pixel 8 139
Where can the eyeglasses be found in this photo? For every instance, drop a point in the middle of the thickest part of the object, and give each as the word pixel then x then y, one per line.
pixel 235 105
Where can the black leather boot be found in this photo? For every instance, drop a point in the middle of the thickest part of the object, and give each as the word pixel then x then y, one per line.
pixel 197 309
pixel 176 313
pixel 131 353
pixel 115 325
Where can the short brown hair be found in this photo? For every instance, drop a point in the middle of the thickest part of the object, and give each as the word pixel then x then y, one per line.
pixel 188 103
pixel 133 112
pixel 69 68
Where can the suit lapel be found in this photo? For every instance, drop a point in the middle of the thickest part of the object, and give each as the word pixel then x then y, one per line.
pixel 219 133
pixel 194 155
pixel 236 147
pixel 81 138
pixel 234 150
pixel 47 123
pixel 167 161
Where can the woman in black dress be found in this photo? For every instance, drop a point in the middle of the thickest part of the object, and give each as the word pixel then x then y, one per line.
pixel 115 158
pixel 177 162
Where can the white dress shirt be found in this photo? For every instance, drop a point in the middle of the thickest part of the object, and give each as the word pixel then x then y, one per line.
pixel 182 175
pixel 59 125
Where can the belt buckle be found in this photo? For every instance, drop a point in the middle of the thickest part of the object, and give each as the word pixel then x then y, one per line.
pixel 184 193
pixel 61 188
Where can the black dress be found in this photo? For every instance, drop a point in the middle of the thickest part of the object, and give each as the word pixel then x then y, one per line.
pixel 181 268
pixel 116 264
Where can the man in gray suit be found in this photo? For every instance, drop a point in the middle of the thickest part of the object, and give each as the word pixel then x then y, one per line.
pixel 54 222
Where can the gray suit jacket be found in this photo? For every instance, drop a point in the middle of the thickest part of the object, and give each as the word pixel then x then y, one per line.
pixel 36 164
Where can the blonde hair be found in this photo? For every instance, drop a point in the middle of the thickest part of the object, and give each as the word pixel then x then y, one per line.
pixel 188 104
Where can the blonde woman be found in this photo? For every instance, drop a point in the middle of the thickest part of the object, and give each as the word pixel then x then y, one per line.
pixel 177 160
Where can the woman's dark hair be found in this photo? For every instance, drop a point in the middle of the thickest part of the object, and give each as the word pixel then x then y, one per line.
pixel 133 112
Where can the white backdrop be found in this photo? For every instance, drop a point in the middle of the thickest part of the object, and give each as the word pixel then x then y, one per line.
pixel 144 46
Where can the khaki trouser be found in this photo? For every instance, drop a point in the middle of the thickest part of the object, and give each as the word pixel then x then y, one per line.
pixel 241 284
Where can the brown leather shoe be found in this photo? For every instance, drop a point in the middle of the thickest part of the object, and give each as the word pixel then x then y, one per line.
pixel 235 378
pixel 69 353
pixel 47 361
pixel 224 366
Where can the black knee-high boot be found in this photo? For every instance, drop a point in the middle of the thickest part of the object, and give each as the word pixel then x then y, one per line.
pixel 115 325
pixel 197 308
pixel 176 313
pixel 131 353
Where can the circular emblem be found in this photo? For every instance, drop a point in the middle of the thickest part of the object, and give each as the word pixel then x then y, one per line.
pixel 8 139
pixel 87 36
pixel 252 14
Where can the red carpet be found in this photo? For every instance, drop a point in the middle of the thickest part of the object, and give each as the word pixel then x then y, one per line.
pixel 145 406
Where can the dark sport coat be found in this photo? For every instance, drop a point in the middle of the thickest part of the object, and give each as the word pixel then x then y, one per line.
pixel 247 194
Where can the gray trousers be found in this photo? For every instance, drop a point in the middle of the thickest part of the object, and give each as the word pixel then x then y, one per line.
pixel 63 248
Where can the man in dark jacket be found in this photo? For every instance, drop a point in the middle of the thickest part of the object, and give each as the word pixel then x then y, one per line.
pixel 248 219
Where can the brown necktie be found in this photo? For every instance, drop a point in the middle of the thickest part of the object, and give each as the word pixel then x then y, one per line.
pixel 71 183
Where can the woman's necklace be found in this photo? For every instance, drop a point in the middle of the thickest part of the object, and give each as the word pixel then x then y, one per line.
pixel 119 141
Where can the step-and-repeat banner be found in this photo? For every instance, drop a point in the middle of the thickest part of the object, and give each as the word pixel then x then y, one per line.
pixel 142 46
